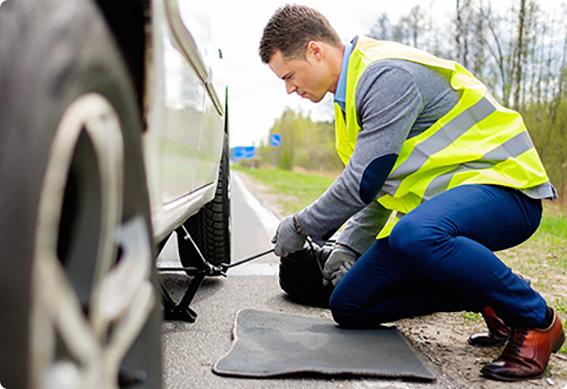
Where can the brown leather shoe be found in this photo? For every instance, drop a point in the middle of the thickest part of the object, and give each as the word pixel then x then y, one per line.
pixel 527 353
pixel 498 332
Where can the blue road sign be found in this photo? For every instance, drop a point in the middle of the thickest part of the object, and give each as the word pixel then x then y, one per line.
pixel 243 152
pixel 275 140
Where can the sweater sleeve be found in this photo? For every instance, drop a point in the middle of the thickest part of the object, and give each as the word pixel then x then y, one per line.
pixel 361 229
pixel 388 102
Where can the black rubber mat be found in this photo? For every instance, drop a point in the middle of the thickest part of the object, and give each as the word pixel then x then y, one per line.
pixel 268 344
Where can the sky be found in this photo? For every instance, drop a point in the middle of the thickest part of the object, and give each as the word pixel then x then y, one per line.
pixel 256 96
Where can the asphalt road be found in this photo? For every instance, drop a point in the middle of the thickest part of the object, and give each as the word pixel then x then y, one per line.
pixel 190 350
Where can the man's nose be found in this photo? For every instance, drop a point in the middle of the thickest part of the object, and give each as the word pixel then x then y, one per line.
pixel 289 87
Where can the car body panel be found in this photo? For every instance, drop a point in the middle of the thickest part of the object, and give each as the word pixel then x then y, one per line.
pixel 184 138
pixel 198 45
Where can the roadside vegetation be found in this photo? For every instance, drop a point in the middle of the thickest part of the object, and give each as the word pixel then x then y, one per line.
pixel 543 258
pixel 297 189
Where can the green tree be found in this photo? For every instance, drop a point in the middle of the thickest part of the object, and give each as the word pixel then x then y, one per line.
pixel 305 143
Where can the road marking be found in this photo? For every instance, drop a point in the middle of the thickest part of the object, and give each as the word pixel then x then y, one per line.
pixel 255 269
pixel 269 222
pixel 267 217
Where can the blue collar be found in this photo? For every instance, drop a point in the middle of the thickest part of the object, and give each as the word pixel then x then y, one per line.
pixel 340 94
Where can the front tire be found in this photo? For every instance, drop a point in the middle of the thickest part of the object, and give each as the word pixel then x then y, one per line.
pixel 77 271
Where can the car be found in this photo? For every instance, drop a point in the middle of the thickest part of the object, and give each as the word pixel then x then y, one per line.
pixel 113 135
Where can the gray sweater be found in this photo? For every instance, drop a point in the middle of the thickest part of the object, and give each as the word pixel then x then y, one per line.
pixel 395 100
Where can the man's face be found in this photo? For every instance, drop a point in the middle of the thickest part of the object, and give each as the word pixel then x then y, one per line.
pixel 307 77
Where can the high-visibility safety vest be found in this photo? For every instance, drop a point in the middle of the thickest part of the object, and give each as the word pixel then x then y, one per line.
pixel 477 142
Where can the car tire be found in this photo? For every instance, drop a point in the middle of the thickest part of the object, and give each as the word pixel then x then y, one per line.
pixel 77 278
pixel 300 277
pixel 210 228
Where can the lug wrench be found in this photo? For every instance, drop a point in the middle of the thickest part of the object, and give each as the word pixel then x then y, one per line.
pixel 226 266
pixel 212 270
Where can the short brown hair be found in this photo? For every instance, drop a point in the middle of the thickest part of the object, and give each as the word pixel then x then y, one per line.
pixel 291 28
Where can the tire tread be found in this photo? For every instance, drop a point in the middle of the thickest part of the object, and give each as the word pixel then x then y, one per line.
pixel 210 227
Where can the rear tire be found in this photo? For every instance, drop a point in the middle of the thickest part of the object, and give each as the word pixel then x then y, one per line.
pixel 210 227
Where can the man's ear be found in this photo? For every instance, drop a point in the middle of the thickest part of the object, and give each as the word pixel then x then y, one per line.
pixel 315 49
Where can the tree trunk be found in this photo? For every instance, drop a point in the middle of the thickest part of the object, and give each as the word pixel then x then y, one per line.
pixel 461 39
pixel 518 55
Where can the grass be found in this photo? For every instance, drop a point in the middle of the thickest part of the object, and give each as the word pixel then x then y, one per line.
pixel 554 225
pixel 298 189
pixel 543 258
pixel 561 309
pixel 472 316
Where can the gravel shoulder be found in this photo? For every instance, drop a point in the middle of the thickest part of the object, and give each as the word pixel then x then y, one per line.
pixel 442 338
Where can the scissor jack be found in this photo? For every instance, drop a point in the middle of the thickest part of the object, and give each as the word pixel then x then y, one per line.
pixel 182 311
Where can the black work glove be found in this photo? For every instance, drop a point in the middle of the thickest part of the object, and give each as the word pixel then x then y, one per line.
pixel 289 237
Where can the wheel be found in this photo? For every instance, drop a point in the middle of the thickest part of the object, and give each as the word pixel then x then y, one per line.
pixel 78 300
pixel 300 277
pixel 210 227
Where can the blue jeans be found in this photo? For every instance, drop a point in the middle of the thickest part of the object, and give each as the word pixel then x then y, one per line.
pixel 439 258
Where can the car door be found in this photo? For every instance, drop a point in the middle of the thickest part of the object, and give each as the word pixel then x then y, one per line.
pixel 197 99
pixel 177 112
pixel 193 27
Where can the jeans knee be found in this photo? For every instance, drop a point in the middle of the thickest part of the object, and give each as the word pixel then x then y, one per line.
pixel 351 316
pixel 343 310
pixel 337 303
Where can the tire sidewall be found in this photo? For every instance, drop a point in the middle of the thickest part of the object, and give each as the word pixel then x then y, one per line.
pixel 51 53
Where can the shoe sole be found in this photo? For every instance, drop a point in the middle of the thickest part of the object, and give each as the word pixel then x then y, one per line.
pixel 499 377
pixel 487 343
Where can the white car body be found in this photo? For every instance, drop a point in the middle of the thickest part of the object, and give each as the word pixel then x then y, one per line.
pixel 186 115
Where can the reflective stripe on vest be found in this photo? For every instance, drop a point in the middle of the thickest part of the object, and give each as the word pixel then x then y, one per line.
pixel 477 142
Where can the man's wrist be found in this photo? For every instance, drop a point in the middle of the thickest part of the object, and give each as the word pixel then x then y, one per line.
pixel 347 248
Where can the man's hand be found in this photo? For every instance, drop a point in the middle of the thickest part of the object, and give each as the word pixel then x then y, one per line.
pixel 339 263
pixel 289 237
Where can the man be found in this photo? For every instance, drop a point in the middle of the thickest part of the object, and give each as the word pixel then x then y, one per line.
pixel 438 169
